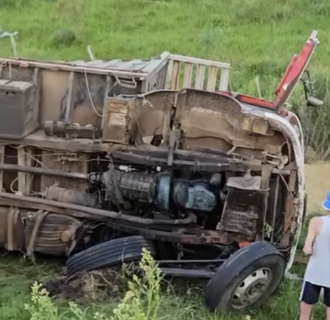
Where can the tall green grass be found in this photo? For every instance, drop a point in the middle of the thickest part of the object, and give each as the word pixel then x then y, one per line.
pixel 257 37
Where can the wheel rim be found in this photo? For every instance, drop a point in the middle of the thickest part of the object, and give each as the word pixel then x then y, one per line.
pixel 252 288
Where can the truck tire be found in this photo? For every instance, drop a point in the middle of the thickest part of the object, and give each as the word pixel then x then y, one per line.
pixel 109 253
pixel 248 276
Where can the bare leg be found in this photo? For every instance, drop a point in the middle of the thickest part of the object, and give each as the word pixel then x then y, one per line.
pixel 328 313
pixel 305 311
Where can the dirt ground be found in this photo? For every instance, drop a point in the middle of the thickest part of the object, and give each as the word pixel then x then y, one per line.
pixel 317 183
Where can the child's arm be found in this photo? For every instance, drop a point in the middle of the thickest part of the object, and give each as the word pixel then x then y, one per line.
pixel 312 231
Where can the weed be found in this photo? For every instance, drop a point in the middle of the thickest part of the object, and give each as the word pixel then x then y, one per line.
pixel 141 301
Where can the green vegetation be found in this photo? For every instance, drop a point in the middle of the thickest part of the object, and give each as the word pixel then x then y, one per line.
pixel 256 37
pixel 145 299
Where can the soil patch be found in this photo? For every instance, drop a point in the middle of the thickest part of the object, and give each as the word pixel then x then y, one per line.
pixel 317 177
pixel 90 286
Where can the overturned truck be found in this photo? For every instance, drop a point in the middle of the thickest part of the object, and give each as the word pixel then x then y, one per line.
pixel 99 160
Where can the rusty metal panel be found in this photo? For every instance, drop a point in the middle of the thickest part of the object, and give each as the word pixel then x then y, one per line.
pixel 135 65
pixel 69 162
pixel 17 109
pixel 115 122
pixel 242 211
pixel 120 67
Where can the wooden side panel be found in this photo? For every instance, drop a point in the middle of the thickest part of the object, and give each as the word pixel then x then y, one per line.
pixel 187 76
pixel 212 79
pixel 200 74
pixel 195 71
pixel 174 85
pixel 224 79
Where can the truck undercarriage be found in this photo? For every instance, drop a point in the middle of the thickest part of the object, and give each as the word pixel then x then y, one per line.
pixel 93 164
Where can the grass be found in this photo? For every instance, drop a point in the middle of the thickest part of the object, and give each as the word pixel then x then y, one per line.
pixel 178 300
pixel 256 37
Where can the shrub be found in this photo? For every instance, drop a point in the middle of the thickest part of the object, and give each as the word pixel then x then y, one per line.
pixel 141 301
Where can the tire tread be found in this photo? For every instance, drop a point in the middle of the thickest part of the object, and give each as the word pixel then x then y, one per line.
pixel 109 253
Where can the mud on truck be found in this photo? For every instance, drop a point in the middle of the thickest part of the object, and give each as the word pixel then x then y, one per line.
pixel 101 159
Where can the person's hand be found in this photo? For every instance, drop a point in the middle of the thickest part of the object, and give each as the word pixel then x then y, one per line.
pixel 307 250
pixel 313 227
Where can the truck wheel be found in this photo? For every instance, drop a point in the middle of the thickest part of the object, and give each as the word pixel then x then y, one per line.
pixel 248 276
pixel 108 254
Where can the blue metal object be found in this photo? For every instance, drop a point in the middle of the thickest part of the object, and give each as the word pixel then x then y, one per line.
pixel 200 198
pixel 163 194
pixel 184 195
pixel 194 197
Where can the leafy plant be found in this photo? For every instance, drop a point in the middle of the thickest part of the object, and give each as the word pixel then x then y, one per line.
pixel 141 301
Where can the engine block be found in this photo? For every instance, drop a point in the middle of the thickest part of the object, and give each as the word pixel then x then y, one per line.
pixel 161 190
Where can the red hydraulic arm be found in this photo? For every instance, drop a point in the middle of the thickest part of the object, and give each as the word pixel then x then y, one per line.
pixel 292 75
